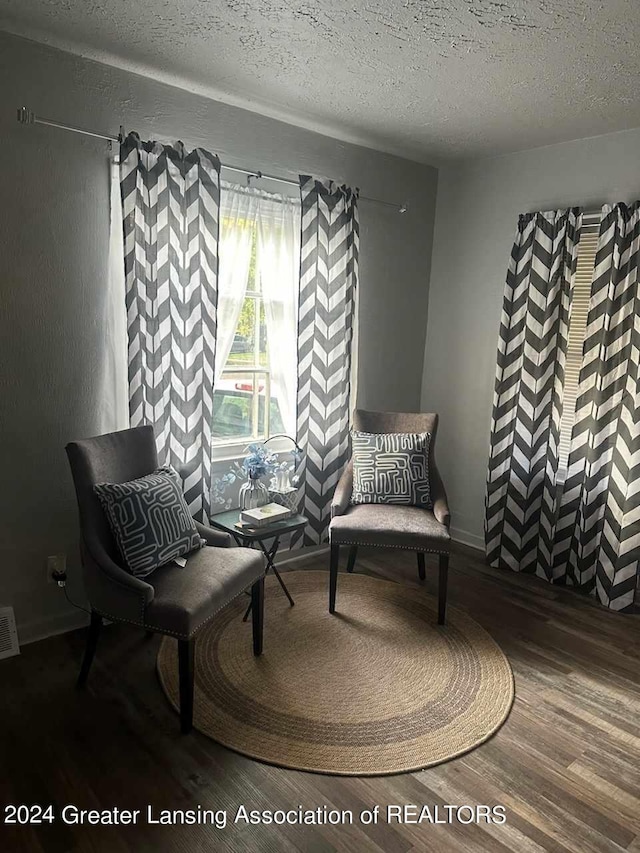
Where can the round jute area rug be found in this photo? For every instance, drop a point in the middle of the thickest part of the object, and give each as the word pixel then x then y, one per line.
pixel 376 688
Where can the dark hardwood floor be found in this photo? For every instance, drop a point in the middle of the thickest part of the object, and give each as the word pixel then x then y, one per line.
pixel 566 765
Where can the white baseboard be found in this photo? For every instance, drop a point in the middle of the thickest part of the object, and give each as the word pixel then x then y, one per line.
pixel 466 538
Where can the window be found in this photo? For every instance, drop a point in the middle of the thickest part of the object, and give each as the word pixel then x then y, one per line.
pixel 239 399
pixel 577 329
pixel 258 275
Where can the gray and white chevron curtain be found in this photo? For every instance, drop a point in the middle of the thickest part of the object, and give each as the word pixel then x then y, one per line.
pixel 328 282
pixel 598 536
pixel 171 201
pixel 587 531
pixel 521 498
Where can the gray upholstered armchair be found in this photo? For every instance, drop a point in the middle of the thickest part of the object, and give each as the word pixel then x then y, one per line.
pixel 173 601
pixel 392 526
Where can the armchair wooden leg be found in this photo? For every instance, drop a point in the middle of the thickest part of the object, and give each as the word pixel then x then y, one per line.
pixel 186 649
pixel 333 577
pixel 257 614
pixel 353 551
pixel 90 650
pixel 421 570
pixel 442 588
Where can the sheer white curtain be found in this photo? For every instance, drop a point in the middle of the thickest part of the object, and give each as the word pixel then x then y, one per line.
pixel 238 213
pixel 278 265
pixel 113 399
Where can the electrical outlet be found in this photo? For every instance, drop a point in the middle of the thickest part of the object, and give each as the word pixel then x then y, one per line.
pixel 55 563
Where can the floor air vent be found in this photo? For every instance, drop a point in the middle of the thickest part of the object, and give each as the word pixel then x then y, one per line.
pixel 8 635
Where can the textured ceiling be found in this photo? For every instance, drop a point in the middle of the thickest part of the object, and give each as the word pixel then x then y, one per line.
pixel 429 79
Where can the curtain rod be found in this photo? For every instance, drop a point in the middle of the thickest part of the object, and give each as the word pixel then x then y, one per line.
pixel 27 116
pixel 250 173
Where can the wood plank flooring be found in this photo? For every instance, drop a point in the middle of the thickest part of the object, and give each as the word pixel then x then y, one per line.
pixel 566 765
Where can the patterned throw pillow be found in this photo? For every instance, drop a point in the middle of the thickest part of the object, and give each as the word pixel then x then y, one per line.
pixel 149 519
pixel 391 468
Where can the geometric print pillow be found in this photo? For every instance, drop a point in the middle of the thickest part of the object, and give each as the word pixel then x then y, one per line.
pixel 391 468
pixel 149 519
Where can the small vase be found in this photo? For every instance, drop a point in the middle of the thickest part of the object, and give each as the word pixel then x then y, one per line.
pixel 283 483
pixel 253 494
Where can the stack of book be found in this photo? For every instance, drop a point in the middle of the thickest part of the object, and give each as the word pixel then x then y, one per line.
pixel 262 516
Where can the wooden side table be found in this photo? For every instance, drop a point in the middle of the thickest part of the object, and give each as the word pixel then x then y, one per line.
pixel 249 537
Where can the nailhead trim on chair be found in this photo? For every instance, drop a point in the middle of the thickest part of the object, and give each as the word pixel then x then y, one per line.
pixel 149 627
pixel 402 547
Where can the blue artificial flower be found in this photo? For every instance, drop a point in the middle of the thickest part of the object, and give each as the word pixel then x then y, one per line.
pixel 258 463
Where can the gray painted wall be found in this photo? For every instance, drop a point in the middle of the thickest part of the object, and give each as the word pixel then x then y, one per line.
pixel 53 261
pixel 477 210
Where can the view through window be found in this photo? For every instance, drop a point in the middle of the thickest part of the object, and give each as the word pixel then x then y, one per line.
pixel 244 405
